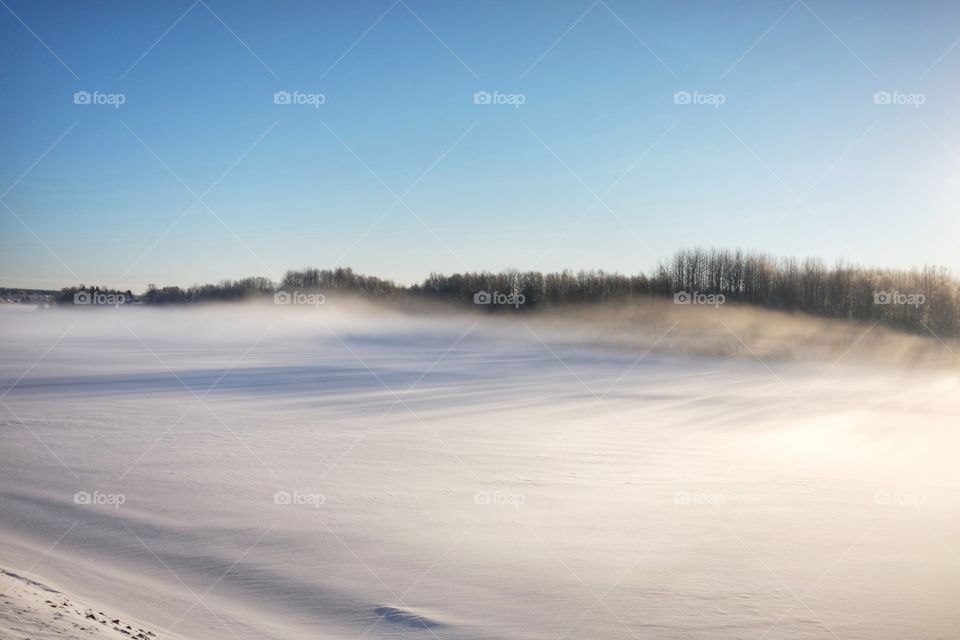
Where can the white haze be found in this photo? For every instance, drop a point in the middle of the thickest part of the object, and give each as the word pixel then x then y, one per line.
pixel 467 476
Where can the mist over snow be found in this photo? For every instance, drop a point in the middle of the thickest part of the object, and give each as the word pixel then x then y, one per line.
pixel 355 471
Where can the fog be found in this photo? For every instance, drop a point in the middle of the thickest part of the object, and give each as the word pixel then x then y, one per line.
pixel 350 470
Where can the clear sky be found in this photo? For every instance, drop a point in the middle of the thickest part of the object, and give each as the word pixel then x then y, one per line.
pixel 582 159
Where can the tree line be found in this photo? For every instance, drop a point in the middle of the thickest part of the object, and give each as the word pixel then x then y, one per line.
pixel 915 300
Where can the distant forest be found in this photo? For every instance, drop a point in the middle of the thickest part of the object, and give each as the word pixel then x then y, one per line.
pixel 917 300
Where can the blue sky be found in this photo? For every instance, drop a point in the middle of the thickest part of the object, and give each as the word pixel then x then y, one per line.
pixel 199 175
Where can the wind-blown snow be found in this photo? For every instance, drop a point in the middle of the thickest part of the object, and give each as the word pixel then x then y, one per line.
pixel 259 473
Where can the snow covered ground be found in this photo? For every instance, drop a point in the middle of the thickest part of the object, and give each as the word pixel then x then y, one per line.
pixel 259 473
pixel 35 611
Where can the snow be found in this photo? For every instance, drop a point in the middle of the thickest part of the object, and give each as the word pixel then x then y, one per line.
pixel 35 611
pixel 245 472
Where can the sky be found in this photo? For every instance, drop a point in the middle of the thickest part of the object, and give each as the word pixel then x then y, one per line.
pixel 191 141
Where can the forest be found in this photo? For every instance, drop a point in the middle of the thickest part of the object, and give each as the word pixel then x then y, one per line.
pixel 918 300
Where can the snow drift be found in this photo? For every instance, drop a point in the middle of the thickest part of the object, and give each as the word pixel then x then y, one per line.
pixel 347 471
